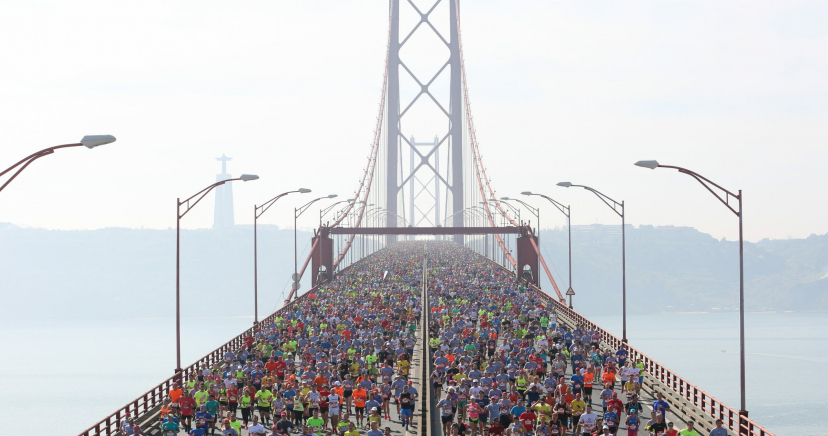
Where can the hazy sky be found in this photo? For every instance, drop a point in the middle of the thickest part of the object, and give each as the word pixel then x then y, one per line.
pixel 573 91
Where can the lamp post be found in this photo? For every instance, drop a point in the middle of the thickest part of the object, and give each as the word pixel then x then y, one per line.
pixel 257 212
pixel 469 210
pixel 567 211
pixel 323 212
pixel 297 212
pixel 535 211
pixel 516 211
pixel 178 214
pixel 614 206
pixel 651 164
pixel 88 141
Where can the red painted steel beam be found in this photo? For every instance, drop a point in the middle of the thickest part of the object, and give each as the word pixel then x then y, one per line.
pixel 425 230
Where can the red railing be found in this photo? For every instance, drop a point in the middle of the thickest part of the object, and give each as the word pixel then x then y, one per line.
pixel 695 395
pixel 153 398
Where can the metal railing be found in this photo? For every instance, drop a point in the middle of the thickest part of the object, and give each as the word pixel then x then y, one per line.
pixel 154 397
pixel 690 392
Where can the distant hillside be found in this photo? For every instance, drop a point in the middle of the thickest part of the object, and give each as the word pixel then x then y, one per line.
pixel 681 269
pixel 129 272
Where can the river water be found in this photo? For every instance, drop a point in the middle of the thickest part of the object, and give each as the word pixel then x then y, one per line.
pixel 80 371
pixel 785 355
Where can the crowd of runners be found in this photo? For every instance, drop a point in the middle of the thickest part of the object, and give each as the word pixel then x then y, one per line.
pixel 503 364
pixel 336 363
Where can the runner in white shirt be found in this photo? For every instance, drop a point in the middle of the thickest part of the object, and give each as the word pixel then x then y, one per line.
pixel 256 429
pixel 333 409
pixel 588 420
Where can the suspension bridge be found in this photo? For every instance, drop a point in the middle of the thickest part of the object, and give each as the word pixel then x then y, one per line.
pixel 437 188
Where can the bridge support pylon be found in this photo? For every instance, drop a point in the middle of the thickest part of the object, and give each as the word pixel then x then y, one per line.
pixel 527 258
pixel 322 257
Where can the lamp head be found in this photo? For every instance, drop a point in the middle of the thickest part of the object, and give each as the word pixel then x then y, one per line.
pixel 504 198
pixel 304 190
pixel 526 193
pixel 92 141
pixel 332 196
pixel 565 184
pixel 651 164
pixel 248 177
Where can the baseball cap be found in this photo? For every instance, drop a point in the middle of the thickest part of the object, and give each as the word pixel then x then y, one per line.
pixel 632 411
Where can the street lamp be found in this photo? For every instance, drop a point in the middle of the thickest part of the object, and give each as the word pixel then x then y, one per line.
pixel 652 164
pixel 297 212
pixel 200 194
pixel 535 211
pixel 257 212
pixel 88 141
pixel 567 211
pixel 476 214
pixel 614 206
pixel 323 212
pixel 514 209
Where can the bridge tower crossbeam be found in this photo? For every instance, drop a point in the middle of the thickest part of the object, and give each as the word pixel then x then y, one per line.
pixel 450 179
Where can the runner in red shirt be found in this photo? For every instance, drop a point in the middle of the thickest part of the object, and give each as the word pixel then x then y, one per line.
pixel 270 365
pixel 187 404
pixel 615 403
pixel 233 398
pixel 496 429
pixel 281 366
pixel 528 418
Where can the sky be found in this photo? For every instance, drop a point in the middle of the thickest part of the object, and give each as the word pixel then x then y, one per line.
pixel 561 91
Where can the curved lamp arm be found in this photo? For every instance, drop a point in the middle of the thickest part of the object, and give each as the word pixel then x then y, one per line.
pixel 205 191
pixel 88 141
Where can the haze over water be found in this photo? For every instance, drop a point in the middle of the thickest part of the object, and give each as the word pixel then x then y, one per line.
pixel 89 368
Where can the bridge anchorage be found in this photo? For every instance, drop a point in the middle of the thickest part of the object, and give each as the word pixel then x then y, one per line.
pixel 417 329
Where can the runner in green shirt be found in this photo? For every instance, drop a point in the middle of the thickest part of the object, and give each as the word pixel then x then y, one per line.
pixel 201 396
pixel 170 428
pixel 315 422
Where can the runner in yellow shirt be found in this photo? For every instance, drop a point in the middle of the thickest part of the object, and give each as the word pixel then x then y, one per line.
pixel 578 407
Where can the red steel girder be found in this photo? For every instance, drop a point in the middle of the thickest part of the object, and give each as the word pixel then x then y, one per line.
pixel 427 230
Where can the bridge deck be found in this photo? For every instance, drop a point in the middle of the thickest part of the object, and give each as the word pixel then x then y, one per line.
pixel 465 284
pixel 361 290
